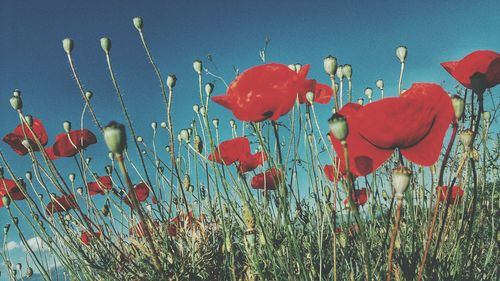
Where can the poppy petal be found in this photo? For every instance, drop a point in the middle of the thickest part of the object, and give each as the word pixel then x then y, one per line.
pixel 231 151
pixel 69 146
pixel 268 180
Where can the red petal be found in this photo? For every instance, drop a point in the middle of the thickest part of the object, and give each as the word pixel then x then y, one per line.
pixel 62 203
pixel 10 188
pixel 323 93
pixel 268 180
pixel 80 139
pixel 251 161
pixel 360 197
pixel 141 191
pixel 231 151
pixel 104 182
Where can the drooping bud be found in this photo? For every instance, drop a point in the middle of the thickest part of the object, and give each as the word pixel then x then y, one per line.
pixel 71 177
pixel 29 175
pixel 198 66
pixel 369 93
pixel 67 45
pixel 29 272
pixel 215 121
pixel 198 144
pixel 401 53
pixel 171 80
pixel 203 111
pixel 466 137
pixel 209 88
pixel 6 201
pixel 310 97
pixel 88 95
pixel 400 181
pixel 330 65
pixel 184 134
pixel 232 123
pixel 154 125
pixel 458 106
pixel 380 84
pixel 79 190
pixel 106 44
pixel 196 108
pixel 347 70
pixel 115 137
pixel 108 169
pixel 67 126
pixel 338 126
pixel 138 23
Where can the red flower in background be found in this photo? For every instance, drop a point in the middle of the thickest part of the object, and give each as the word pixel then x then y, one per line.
pixel 98 187
pixel 230 151
pixel 141 191
pixel 330 173
pixel 69 146
pixel 88 237
pixel 269 91
pixel 416 123
pixel 139 229
pixel 269 180
pixel 62 204
pixel 478 70
pixel 9 188
pixel 251 161
pixel 456 193
pixel 360 197
pixel 16 138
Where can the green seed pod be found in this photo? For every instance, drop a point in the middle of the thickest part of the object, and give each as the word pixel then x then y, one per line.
pixel 6 201
pixel 105 210
pixel 115 137
pixel 458 105
pixel 171 81
pixel 138 23
pixel 198 66
pixel 400 181
pixel 29 120
pixel 67 45
pixel 209 88
pixel 106 44
pixel 16 102
pixel 380 84
pixel 186 181
pixel 330 65
pixel 347 70
pixel 401 53
pixel 338 126
pixel 89 95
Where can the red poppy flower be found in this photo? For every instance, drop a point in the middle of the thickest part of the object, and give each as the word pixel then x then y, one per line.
pixel 10 188
pixel 456 193
pixel 269 180
pixel 330 172
pixel 15 138
pixel 251 161
pixel 184 218
pixel 139 229
pixel 62 204
pixel 69 146
pixel 269 91
pixel 104 182
pixel 416 123
pixel 478 70
pixel 87 237
pixel 141 191
pixel 360 197
pixel 230 151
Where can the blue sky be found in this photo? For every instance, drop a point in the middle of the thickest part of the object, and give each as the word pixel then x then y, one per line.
pixel 361 33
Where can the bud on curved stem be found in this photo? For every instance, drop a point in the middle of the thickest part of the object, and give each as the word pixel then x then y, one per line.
pixel 138 23
pixel 67 45
pixel 106 45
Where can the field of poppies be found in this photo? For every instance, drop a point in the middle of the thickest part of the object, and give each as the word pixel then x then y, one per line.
pixel 401 187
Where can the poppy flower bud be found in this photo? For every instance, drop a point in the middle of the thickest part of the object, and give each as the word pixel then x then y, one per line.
pixel 6 201
pixel 458 105
pixel 232 123
pixel 215 121
pixel 203 111
pixel 108 169
pixel 67 126
pixel 361 101
pixel 184 135
pixel 15 220
pixel 198 66
pixel 298 66
pixel 179 138
pixel 6 228
pixel 347 70
pixel 340 73
pixel 79 190
pixel 138 23
pixel 209 88
pixel 466 137
pixel 338 126
pixel 167 148
pixel 29 119
pixel 115 137
pixel 384 195
pixel 248 217
pixel 28 175
pixel 171 80
pixel 198 144
pixel 149 208
pixel 369 93
pixel 29 272
pixel 163 124
pixel 400 181
pixel 26 144
pixel 67 45
pixel 336 87
pixel 380 84
pixel 106 44
pixel 310 97
pixel 71 177
pixel 196 108
pixel 88 95
pixel 310 138
pixel 154 125
pixel 487 117
pixel 15 101
pixel 292 67
pixel 401 53
pixel 139 139
pixel 190 131
pixel 330 65
pixel 105 210
pixel 186 181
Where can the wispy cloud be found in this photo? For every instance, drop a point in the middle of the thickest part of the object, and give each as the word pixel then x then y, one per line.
pixel 35 244
pixel 12 245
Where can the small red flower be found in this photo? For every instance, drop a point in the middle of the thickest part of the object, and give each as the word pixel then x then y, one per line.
pixel 269 91
pixel 251 161
pixel 139 229
pixel 268 180
pixel 478 70
pixel 62 204
pixel 15 138
pixel 416 123
pixel 230 151
pixel 9 188
pixel 330 172
pixel 98 187
pixel 456 193
pixel 360 197
pixel 88 237
pixel 141 191
pixel 69 146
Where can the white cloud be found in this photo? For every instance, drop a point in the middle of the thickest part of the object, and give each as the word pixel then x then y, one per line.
pixel 12 245
pixel 36 244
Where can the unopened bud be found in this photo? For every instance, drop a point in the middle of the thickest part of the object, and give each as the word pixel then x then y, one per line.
pixel 88 95
pixel 138 23
pixel 458 105
pixel 487 117
pixel 105 210
pixel 338 126
pixel 115 137
pixel 369 93
pixel 106 44
pixel 196 108
pixel 198 144
pixel 163 124
pixel 292 67
pixel 139 139
pixel 466 137
pixel 330 65
pixel 71 177
pixel 67 126
pixel 209 88
pixel 310 97
pixel 29 176
pixel 198 66
pixel 67 45
pixel 203 111
pixel 184 134
pixel 6 201
pixel 380 84
pixel 186 181
pixel 154 125
pixel 171 80
pixel 29 120
pixel 401 53
pixel 79 190
pixel 361 101
pixel 347 70
pixel 215 121
pixel 298 67
pixel 400 181
pixel 340 73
